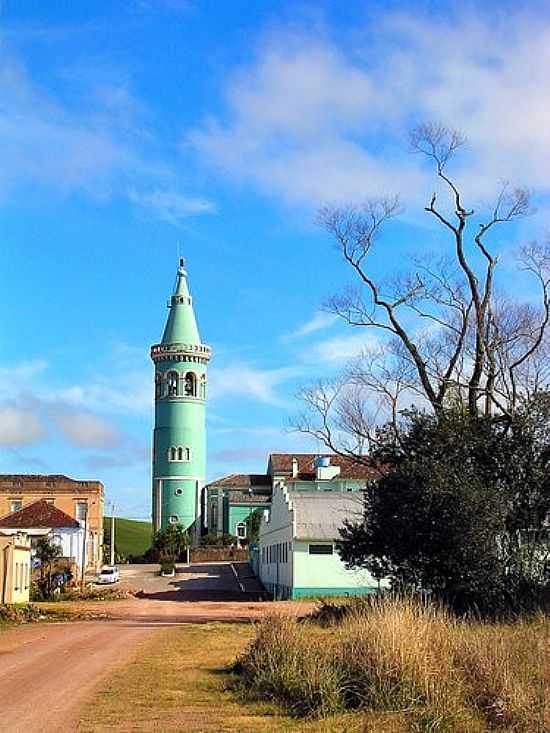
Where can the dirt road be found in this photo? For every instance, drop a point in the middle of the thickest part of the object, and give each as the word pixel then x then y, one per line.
pixel 47 670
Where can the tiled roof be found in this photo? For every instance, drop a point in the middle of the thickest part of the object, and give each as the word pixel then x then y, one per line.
pixel 38 514
pixel 241 480
pixel 35 477
pixel 281 463
pixel 319 515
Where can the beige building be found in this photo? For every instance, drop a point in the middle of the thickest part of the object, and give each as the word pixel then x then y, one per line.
pixel 81 500
pixel 15 568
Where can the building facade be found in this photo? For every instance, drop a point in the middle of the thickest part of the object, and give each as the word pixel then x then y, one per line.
pixel 82 501
pixel 297 557
pixel 179 436
pixel 230 500
pixel 304 500
pixel 15 568
pixel 43 520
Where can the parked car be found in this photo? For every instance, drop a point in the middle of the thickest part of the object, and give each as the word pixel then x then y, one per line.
pixel 108 574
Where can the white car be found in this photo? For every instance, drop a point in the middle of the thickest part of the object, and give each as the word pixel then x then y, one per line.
pixel 108 574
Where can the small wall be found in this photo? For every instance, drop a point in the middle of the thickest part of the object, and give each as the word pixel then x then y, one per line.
pixel 217 554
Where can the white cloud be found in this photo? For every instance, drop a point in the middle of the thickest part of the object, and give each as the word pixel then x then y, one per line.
pixel 18 376
pixel 241 380
pixel 19 425
pixel 318 322
pixel 171 206
pixel 311 121
pixel 99 143
pixel 340 348
pixel 86 429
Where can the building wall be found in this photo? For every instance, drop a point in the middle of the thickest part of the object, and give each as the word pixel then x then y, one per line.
pixel 70 541
pixel 66 495
pixel 320 575
pixel 15 569
pixel 288 570
pixel 275 559
pixel 238 513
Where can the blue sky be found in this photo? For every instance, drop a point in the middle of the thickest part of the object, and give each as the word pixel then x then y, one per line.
pixel 132 127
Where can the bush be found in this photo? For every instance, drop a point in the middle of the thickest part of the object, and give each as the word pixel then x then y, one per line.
pixel 387 655
pixel 19 614
pixel 167 567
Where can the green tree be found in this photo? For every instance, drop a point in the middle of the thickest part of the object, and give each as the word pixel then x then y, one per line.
pixel 47 553
pixel 169 544
pixel 253 522
pixel 461 511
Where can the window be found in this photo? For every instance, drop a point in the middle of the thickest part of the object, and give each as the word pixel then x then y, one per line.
pixel 173 519
pixel 81 510
pixel 190 384
pixel 320 549
pixel 172 384
pixel 158 386
pixel 179 454
pixel 16 505
pixel 178 492
pixel 203 387
pixel 50 500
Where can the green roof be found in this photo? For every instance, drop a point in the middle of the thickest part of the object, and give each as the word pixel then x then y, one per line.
pixel 181 327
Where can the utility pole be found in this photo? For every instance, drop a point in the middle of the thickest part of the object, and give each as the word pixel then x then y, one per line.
pixel 113 533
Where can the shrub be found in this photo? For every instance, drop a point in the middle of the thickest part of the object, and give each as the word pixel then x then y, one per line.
pixel 167 567
pixel 389 655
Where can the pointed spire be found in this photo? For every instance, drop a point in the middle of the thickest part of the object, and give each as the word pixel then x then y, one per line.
pixel 181 326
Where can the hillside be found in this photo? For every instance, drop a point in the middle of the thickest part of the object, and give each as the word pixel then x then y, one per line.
pixel 131 537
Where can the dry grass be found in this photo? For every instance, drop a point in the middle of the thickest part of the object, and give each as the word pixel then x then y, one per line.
pixel 437 673
pixel 178 681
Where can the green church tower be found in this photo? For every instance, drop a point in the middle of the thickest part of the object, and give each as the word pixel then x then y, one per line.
pixel 179 438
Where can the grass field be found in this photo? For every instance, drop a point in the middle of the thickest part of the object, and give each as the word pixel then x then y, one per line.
pixel 427 670
pixel 177 682
pixel 131 537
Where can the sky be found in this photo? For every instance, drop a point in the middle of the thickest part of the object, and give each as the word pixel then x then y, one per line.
pixel 137 130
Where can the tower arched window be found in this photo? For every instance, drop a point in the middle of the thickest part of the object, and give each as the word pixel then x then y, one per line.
pixel 172 384
pixel 203 387
pixel 190 384
pixel 158 386
pixel 179 454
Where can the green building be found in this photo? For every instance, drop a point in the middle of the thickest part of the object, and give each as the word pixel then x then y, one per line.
pixel 179 437
pixel 306 498
pixel 230 500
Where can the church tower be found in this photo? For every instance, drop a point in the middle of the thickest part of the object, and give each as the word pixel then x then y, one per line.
pixel 179 438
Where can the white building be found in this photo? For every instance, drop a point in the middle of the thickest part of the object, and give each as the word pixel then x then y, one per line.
pixel 297 557
pixel 43 519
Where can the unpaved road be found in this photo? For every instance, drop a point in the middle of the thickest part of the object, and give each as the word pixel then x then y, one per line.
pixel 47 670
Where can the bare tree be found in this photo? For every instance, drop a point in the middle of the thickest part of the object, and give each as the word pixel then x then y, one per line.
pixel 448 334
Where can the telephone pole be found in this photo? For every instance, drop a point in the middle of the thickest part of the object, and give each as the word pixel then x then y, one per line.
pixel 112 534
pixel 84 543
